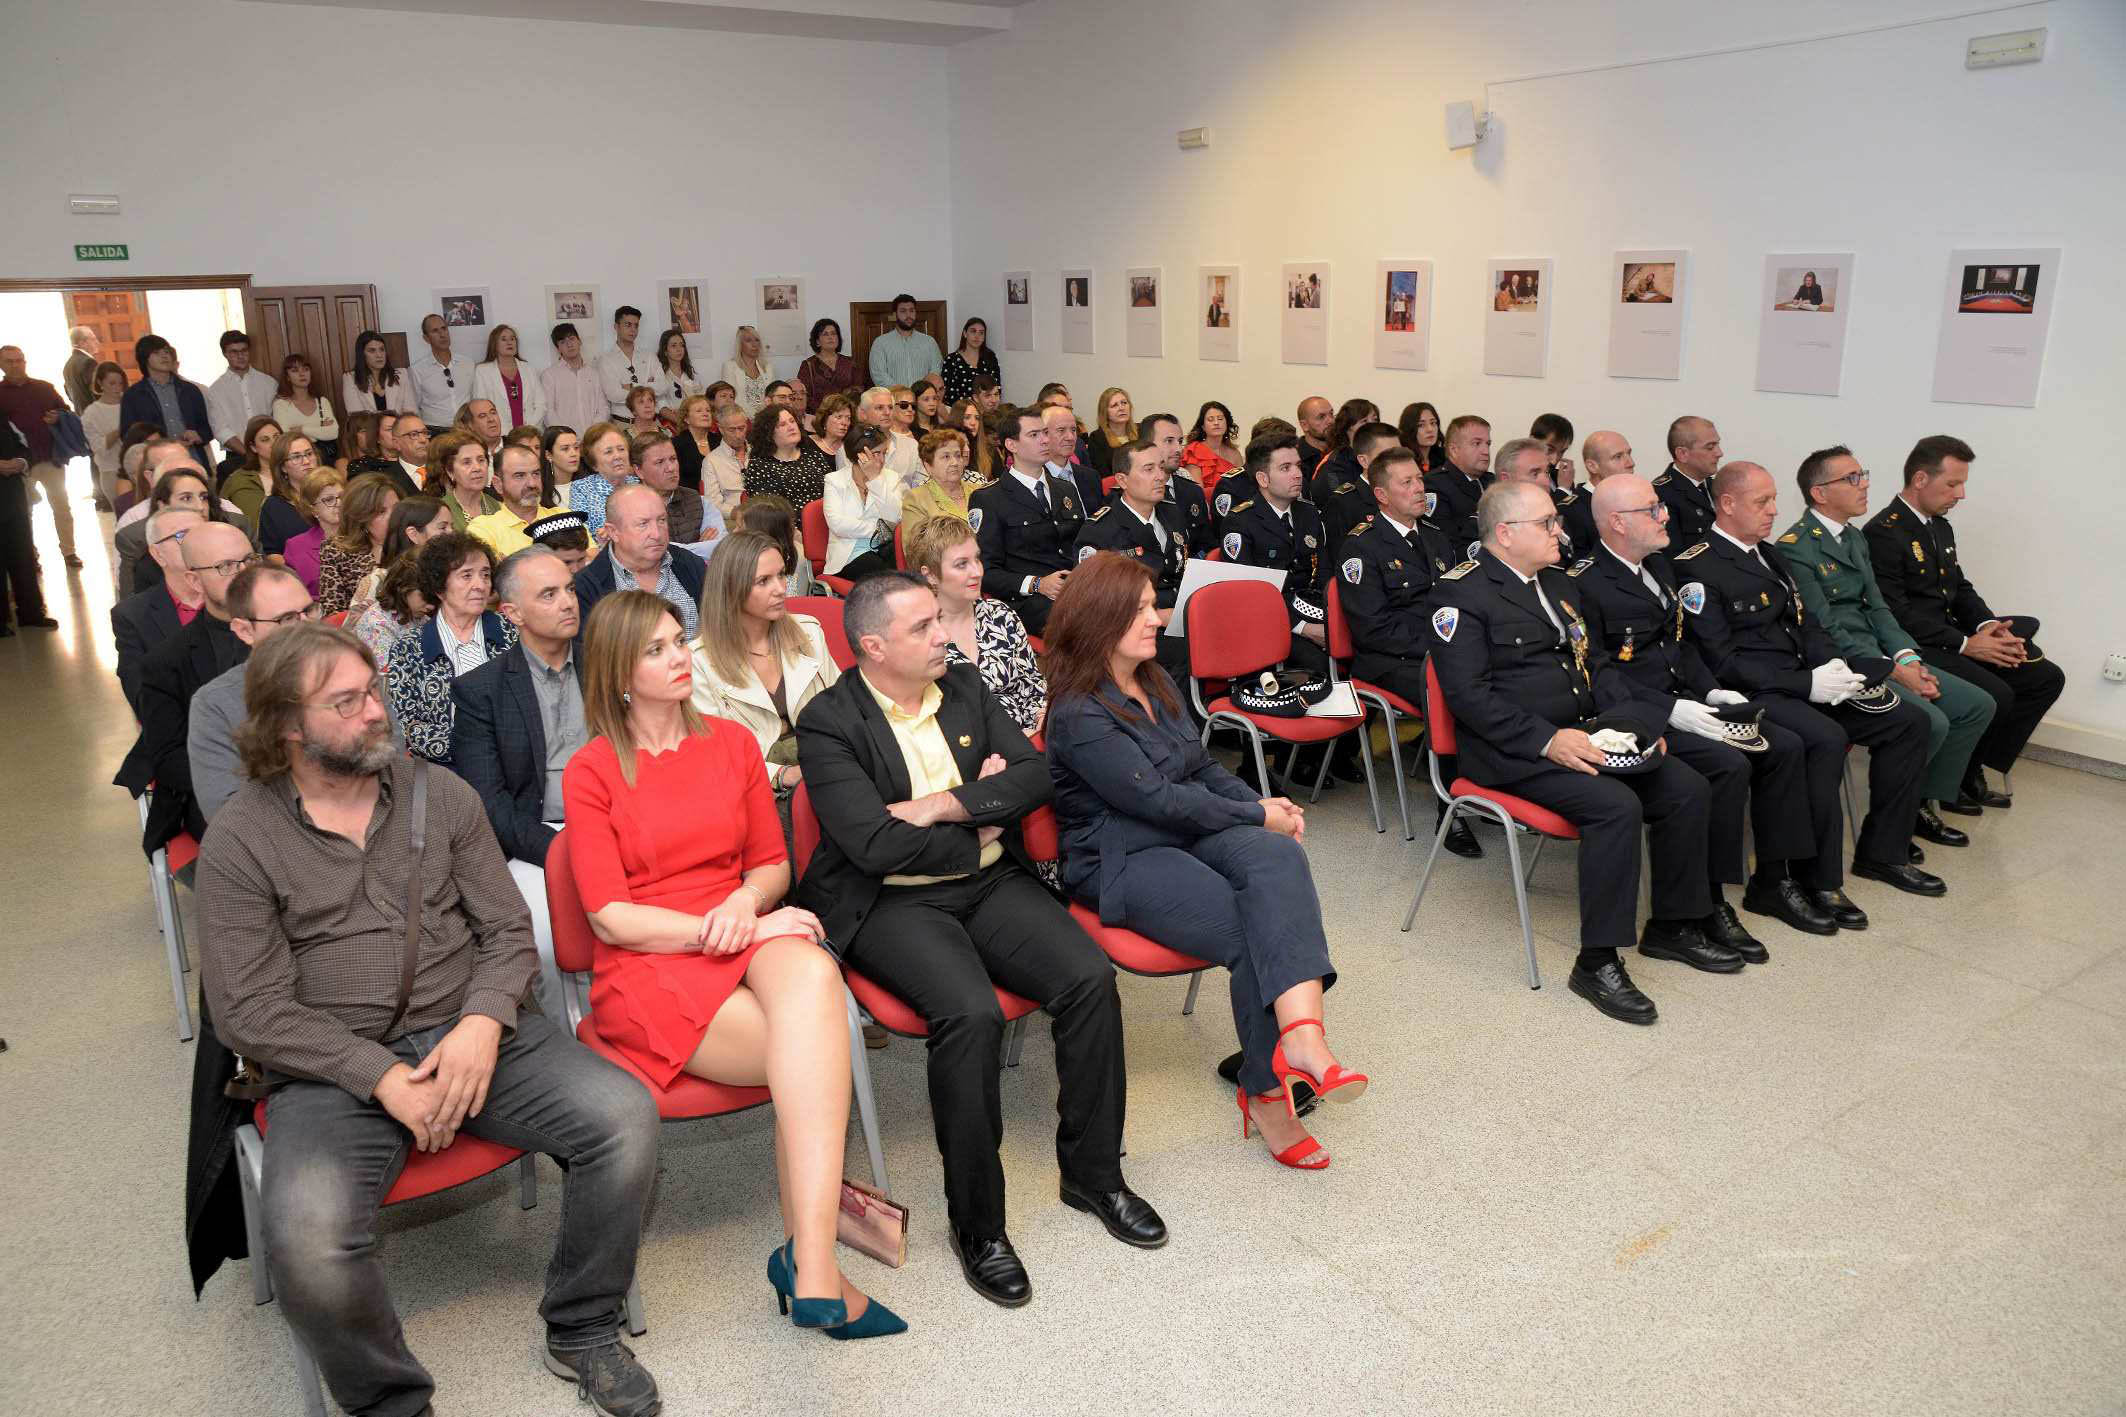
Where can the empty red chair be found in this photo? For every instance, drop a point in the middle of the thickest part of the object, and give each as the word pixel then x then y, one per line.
pixel 828 611
pixel 1237 629
pixel 1515 814
pixel 1393 706
pixel 900 559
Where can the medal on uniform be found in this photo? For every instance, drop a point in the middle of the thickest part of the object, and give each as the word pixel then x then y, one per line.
pixel 1625 654
pixel 1764 597
pixel 1918 555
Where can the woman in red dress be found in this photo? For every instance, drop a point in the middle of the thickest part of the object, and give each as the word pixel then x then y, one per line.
pixel 679 858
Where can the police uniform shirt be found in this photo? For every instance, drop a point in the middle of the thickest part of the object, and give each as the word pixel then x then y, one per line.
pixel 1636 618
pixel 1025 528
pixel 1188 499
pixel 1295 543
pixel 1160 545
pixel 1921 580
pixel 1744 613
pixel 1344 506
pixel 1690 507
pixel 1233 489
pixel 1452 496
pixel 1387 573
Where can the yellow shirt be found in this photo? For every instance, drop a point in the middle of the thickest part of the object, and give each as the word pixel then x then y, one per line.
pixel 930 765
pixel 504 530
pixel 926 500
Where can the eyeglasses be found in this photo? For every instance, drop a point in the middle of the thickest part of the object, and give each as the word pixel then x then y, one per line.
pixel 902 403
pixel 1658 511
pixel 1855 479
pixel 349 704
pixel 178 535
pixel 307 453
pixel 1549 523
pixel 308 612
pixel 332 501
pixel 228 568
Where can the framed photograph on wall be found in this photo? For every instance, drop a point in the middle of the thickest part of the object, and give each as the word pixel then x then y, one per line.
pixel 1218 313
pixel 779 315
pixel 467 310
pixel 1646 314
pixel 1517 318
pixel 1304 320
pixel 1144 311
pixel 1018 310
pixel 1402 320
pixel 1078 311
pixel 580 303
pixel 1802 310
pixel 1993 326
pixel 682 303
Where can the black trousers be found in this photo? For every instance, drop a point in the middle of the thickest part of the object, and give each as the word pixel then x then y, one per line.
pixel 1818 859
pixel 2021 698
pixel 1776 785
pixel 1675 805
pixel 18 553
pixel 870 563
pixel 1897 767
pixel 939 947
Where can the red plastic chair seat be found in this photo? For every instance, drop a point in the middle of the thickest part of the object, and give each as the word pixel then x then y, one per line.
pixel 1291 730
pixel 466 1159
pixel 896 1017
pixel 1527 813
pixel 1132 951
pixel 183 850
pixel 688 1097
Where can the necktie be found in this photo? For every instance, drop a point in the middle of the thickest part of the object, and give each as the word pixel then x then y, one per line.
pixel 1042 488
pixel 1654 586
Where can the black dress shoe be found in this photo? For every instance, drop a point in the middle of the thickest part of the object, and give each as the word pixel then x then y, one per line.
pixel 1128 1216
pixel 1841 909
pixel 1304 1097
pixel 1975 790
pixel 993 1270
pixel 7 631
pixel 36 622
pixel 1724 928
pixel 1462 841
pixel 1914 855
pixel 1610 989
pixel 1963 806
pixel 1906 878
pixel 1686 944
pixel 1784 900
pixel 1931 827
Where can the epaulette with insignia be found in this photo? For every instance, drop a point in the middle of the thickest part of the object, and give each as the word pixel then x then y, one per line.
pixel 1789 539
pixel 1459 571
pixel 1663 479
pixel 1568 497
pixel 1103 511
pixel 1343 487
pixel 1894 515
pixel 1686 555
pixel 1360 527
pixel 1580 565
pixel 1241 508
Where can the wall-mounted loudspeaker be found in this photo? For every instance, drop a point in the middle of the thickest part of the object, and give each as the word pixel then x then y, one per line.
pixel 1464 129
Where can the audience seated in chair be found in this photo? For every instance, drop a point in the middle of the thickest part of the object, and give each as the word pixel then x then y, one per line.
pixel 262 600
pixel 985 633
pixel 455 574
pixel 639 555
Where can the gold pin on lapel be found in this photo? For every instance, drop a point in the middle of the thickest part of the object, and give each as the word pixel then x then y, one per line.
pixel 966 741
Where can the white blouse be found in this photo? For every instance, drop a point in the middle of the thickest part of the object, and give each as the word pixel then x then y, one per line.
pixel 320 425
pixel 752 388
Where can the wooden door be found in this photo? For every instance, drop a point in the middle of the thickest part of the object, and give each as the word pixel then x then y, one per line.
pixel 320 321
pixel 119 317
pixel 868 319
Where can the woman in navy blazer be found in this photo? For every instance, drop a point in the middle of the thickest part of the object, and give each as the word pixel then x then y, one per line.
pixel 1163 840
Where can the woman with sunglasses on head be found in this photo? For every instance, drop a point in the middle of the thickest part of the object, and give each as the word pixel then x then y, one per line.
pixel 504 380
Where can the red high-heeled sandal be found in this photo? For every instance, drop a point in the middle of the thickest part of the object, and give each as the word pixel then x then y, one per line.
pixel 1306 1154
pixel 1341 1085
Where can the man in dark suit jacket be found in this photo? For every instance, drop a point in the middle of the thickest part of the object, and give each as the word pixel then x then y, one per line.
pixel 920 781
pixel 1025 523
pixel 146 618
pixel 639 541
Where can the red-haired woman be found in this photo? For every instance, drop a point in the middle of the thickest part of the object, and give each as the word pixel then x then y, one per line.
pixel 1161 839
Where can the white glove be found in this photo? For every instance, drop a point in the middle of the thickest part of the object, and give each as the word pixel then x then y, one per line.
pixel 1832 682
pixel 1721 698
pixel 1694 717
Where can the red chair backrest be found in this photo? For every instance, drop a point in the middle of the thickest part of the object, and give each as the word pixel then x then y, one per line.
pixel 337 617
pixel 1042 835
pixel 1236 628
pixel 1440 723
pixel 828 611
pixel 804 832
pixel 1108 484
pixel 1338 628
pixel 814 518
pixel 900 560
pixel 574 944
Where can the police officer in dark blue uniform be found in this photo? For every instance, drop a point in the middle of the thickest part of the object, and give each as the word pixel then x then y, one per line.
pixel 1278 529
pixel 1025 524
pixel 1686 487
pixel 1163 431
pixel 1142 525
pixel 1628 592
pixel 1521 673
pixel 1456 487
pixel 1348 500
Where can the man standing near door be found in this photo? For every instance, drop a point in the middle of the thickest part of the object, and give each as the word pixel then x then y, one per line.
pixel 18 558
pixel 33 406
pixel 904 354
pixel 81 366
pixel 240 394
pixel 441 380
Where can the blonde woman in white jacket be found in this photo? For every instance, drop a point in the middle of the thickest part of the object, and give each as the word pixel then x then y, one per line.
pixel 492 377
pixel 754 662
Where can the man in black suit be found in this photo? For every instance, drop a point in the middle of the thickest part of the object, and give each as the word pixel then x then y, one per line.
pixel 215 553
pixel 1163 432
pixel 520 719
pixel 1686 485
pixel 1455 488
pixel 1522 676
pixel 18 552
pixel 146 618
pixel 1922 580
pixel 1628 593
pixel 1744 613
pixel 639 555
pixel 920 781
pixel 1279 529
pixel 1026 522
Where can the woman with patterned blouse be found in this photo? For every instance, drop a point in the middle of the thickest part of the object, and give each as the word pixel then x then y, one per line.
pixel 357 548
pixel 781 462
pixel 970 361
pixel 985 633
pixel 455 573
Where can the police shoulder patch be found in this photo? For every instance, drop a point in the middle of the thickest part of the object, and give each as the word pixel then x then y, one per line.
pixel 1244 505
pixel 1567 497
pixel 974 518
pixel 1692 597
pixel 1459 571
pixel 1086 553
pixel 1444 621
pixel 1232 545
pixel 1664 479
pixel 1360 527
pixel 1686 555
pixel 1431 503
pixel 1354 569
pixel 1580 565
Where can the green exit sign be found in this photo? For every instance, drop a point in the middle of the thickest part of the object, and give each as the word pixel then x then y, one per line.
pixel 102 252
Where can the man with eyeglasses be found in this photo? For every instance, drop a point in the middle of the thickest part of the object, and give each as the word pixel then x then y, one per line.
pixel 262 600
pixel 1827 552
pixel 215 553
pixel 1686 485
pixel 410 473
pixel 1523 677
pixel 382 1034
pixel 146 618
pixel 442 379
pixel 876 409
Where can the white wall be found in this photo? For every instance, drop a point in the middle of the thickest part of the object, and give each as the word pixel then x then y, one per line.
pixel 1327 146
pixel 313 145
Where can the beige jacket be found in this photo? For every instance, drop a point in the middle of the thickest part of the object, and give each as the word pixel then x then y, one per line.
pixel 748 703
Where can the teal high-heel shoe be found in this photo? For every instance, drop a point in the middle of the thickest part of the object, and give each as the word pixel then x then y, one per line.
pixel 830 1316
pixel 804 1313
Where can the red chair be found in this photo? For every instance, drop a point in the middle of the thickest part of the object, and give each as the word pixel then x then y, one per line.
pixel 163 865
pixel 815 548
pixel 1128 950
pixel 886 1009
pixel 828 611
pixel 688 1098
pixel 900 558
pixel 1393 706
pixel 1515 814
pixel 468 1158
pixel 1108 485
pixel 1237 629
pixel 337 617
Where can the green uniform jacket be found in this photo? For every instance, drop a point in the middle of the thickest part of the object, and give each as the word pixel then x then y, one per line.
pixel 1837 580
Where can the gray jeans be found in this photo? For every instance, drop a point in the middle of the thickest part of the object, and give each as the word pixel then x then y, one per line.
pixel 331 1157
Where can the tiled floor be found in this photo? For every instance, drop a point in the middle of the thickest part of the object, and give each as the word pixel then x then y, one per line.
pixel 1885 1173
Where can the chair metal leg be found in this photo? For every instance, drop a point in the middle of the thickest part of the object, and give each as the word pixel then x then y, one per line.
pixel 250 1163
pixel 1365 734
pixel 1852 803
pixel 1320 777
pixel 860 1084
pixel 1014 1041
pixel 156 871
pixel 306 1378
pixel 1195 982
pixel 638 1318
pixel 1446 824
pixel 1533 856
pixel 1520 899
pixel 1395 762
pixel 173 948
pixel 528 1180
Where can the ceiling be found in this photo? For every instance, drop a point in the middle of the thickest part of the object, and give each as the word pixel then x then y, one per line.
pixel 934 22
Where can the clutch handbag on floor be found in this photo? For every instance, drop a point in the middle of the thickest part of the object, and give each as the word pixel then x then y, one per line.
pixel 873 1224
